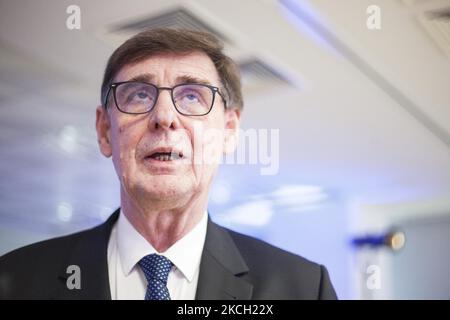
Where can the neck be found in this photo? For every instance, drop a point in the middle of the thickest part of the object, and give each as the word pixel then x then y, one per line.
pixel 163 226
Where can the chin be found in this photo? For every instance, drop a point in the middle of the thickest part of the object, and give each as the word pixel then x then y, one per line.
pixel 166 187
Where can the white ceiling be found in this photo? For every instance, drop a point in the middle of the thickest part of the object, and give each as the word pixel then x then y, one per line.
pixel 368 120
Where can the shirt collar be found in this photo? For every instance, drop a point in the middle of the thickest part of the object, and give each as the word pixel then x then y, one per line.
pixel 185 254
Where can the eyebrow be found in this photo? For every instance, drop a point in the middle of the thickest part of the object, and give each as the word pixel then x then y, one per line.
pixel 191 79
pixel 143 77
pixel 148 77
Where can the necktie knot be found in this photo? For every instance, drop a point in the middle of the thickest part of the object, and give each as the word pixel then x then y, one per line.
pixel 156 269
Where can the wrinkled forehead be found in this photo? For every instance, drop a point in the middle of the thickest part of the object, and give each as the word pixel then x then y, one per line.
pixel 170 69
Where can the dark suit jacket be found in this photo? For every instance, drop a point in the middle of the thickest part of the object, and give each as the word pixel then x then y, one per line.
pixel 233 266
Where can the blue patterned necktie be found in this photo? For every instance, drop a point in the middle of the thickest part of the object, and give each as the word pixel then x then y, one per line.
pixel 156 269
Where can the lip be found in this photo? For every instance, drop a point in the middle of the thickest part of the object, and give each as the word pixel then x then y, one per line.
pixel 159 165
pixel 164 150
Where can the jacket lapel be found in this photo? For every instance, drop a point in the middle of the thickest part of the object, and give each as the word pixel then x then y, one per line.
pixel 90 254
pixel 221 268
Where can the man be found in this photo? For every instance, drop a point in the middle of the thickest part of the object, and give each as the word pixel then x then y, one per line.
pixel 164 92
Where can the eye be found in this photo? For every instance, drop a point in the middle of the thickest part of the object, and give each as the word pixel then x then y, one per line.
pixel 189 97
pixel 142 95
pixel 192 98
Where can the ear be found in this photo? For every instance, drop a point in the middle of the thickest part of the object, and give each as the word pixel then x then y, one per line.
pixel 232 121
pixel 103 125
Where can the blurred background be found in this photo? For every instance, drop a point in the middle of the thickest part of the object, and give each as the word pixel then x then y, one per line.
pixel 359 91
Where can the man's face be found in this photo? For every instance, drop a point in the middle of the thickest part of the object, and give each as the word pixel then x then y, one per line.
pixel 134 141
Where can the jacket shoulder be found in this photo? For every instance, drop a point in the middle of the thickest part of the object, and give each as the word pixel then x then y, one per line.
pixel 31 271
pixel 260 253
pixel 61 246
pixel 43 249
pixel 283 274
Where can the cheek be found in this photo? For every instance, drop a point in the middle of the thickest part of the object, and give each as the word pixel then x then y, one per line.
pixel 124 147
pixel 207 144
pixel 213 147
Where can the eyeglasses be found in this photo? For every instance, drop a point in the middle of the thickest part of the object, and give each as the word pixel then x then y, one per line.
pixel 140 97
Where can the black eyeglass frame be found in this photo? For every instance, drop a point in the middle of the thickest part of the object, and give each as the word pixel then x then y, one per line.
pixel 214 90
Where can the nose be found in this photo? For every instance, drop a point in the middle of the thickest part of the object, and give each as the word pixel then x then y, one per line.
pixel 163 114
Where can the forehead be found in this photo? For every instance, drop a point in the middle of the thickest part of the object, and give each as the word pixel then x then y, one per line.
pixel 167 68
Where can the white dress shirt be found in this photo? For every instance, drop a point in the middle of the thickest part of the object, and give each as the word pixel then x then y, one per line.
pixel 127 246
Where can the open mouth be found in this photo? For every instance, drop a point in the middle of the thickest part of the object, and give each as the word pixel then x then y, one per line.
pixel 166 156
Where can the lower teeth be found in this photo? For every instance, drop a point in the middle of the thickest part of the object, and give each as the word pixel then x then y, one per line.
pixel 167 157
